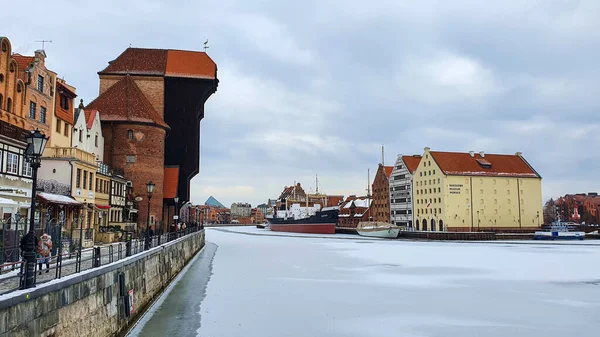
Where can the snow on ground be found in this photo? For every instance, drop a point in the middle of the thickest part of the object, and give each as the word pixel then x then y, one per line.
pixel 297 286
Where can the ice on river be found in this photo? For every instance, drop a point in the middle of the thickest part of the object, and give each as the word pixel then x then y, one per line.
pixel 297 286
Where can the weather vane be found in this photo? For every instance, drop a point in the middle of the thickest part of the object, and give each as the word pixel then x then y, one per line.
pixel 206 45
pixel 44 42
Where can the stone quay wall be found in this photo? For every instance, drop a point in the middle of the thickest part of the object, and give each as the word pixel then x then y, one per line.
pixel 90 303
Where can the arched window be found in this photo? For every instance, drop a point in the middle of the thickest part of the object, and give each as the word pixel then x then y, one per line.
pixel 129 134
pixel 1 101
pixel 4 47
pixel 9 105
pixel 19 87
pixel 1 78
pixel 96 140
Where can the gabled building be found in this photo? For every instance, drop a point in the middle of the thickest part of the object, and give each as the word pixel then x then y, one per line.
pixel 145 95
pixel 457 191
pixel 241 209
pixel 381 194
pixel 354 210
pixel 401 190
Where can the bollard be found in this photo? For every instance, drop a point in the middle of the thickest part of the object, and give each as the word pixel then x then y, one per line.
pixel 96 257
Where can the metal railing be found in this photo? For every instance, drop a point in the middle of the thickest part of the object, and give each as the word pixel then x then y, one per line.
pixel 71 262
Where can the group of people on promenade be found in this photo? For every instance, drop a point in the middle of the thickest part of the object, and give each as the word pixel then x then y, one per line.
pixel 43 247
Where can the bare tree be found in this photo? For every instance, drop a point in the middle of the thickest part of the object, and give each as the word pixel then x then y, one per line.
pixel 549 211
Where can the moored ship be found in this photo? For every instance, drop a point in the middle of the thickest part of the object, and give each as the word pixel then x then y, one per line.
pixel 300 219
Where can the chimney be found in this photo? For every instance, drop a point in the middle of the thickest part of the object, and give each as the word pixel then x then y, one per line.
pixel 472 153
pixel 426 149
pixel 81 104
pixel 482 154
pixel 40 55
pixel 518 154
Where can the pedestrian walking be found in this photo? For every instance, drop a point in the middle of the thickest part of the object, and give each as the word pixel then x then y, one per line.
pixel 44 247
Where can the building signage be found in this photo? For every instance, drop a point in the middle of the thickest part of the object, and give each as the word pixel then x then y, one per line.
pixel 455 188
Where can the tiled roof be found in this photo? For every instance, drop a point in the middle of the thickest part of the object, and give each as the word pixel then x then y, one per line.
pixel 124 101
pixel 171 181
pixel 388 171
pixel 23 61
pixel 181 63
pixel 411 162
pixel 163 62
pixel 502 165
pixel 89 117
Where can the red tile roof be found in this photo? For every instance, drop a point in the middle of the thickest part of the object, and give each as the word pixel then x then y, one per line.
pixel 458 163
pixel 411 162
pixel 163 62
pixel 388 171
pixel 124 101
pixel 181 63
pixel 171 181
pixel 23 61
pixel 89 117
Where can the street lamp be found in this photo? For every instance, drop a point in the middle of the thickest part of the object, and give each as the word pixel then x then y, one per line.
pixel 150 189
pixel 36 143
pixel 176 199
pixel 538 218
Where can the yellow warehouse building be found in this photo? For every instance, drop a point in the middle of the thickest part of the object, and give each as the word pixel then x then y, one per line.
pixel 463 192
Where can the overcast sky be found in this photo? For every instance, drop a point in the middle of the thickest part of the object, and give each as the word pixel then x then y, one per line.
pixel 316 87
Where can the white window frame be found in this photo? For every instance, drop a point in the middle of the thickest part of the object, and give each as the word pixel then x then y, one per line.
pixel 14 163
pixel 27 170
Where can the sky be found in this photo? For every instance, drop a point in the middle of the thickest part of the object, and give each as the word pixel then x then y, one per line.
pixel 317 87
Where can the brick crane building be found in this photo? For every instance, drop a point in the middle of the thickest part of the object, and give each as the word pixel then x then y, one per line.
pixel 152 101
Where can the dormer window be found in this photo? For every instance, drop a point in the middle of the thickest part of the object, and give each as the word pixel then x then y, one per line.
pixel 40 83
pixel 484 163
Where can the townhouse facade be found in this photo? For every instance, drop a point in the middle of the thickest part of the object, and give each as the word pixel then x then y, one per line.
pixel 380 209
pixel 401 198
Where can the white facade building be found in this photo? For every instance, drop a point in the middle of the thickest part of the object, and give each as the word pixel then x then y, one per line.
pixel 241 209
pixel 401 190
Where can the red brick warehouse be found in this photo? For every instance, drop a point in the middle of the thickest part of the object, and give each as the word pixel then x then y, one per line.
pixel 151 103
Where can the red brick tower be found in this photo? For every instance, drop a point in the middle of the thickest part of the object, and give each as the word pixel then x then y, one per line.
pixel 151 103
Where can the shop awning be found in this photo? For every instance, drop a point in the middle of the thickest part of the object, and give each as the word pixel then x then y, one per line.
pixel 58 199
pixel 103 206
pixel 8 203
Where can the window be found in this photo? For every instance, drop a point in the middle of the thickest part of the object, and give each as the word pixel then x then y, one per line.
pixel 97 185
pixel 9 104
pixel 96 141
pixel 84 180
pixel 481 201
pixel 19 87
pixel 1 78
pixel 439 180
pixel 64 102
pixel 1 99
pixel 43 114
pixel 80 136
pixel 399 167
pixel 66 129
pixel 433 171
pixel 12 68
pixel 131 159
pixel 32 107
pixel 12 163
pixel 58 125
pixel 40 83
pixel 420 174
pixel 129 134
pixel 91 181
pixel 27 171
pixel 78 179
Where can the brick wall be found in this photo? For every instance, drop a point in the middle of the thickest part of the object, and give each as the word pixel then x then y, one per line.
pixel 154 90
pixel 147 146
pixel 381 196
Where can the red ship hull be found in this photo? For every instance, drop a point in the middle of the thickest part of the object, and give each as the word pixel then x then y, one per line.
pixel 316 228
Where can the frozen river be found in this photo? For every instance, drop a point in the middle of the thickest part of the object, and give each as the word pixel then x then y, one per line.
pixel 243 284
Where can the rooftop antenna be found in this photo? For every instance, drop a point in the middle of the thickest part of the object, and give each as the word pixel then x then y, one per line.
pixel 317 183
pixel 382 156
pixel 44 42
pixel 206 45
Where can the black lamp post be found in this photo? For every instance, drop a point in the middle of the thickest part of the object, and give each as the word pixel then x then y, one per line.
pixel 538 218
pixel 176 199
pixel 36 143
pixel 149 188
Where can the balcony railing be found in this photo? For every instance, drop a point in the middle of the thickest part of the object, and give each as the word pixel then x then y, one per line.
pixel 70 153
